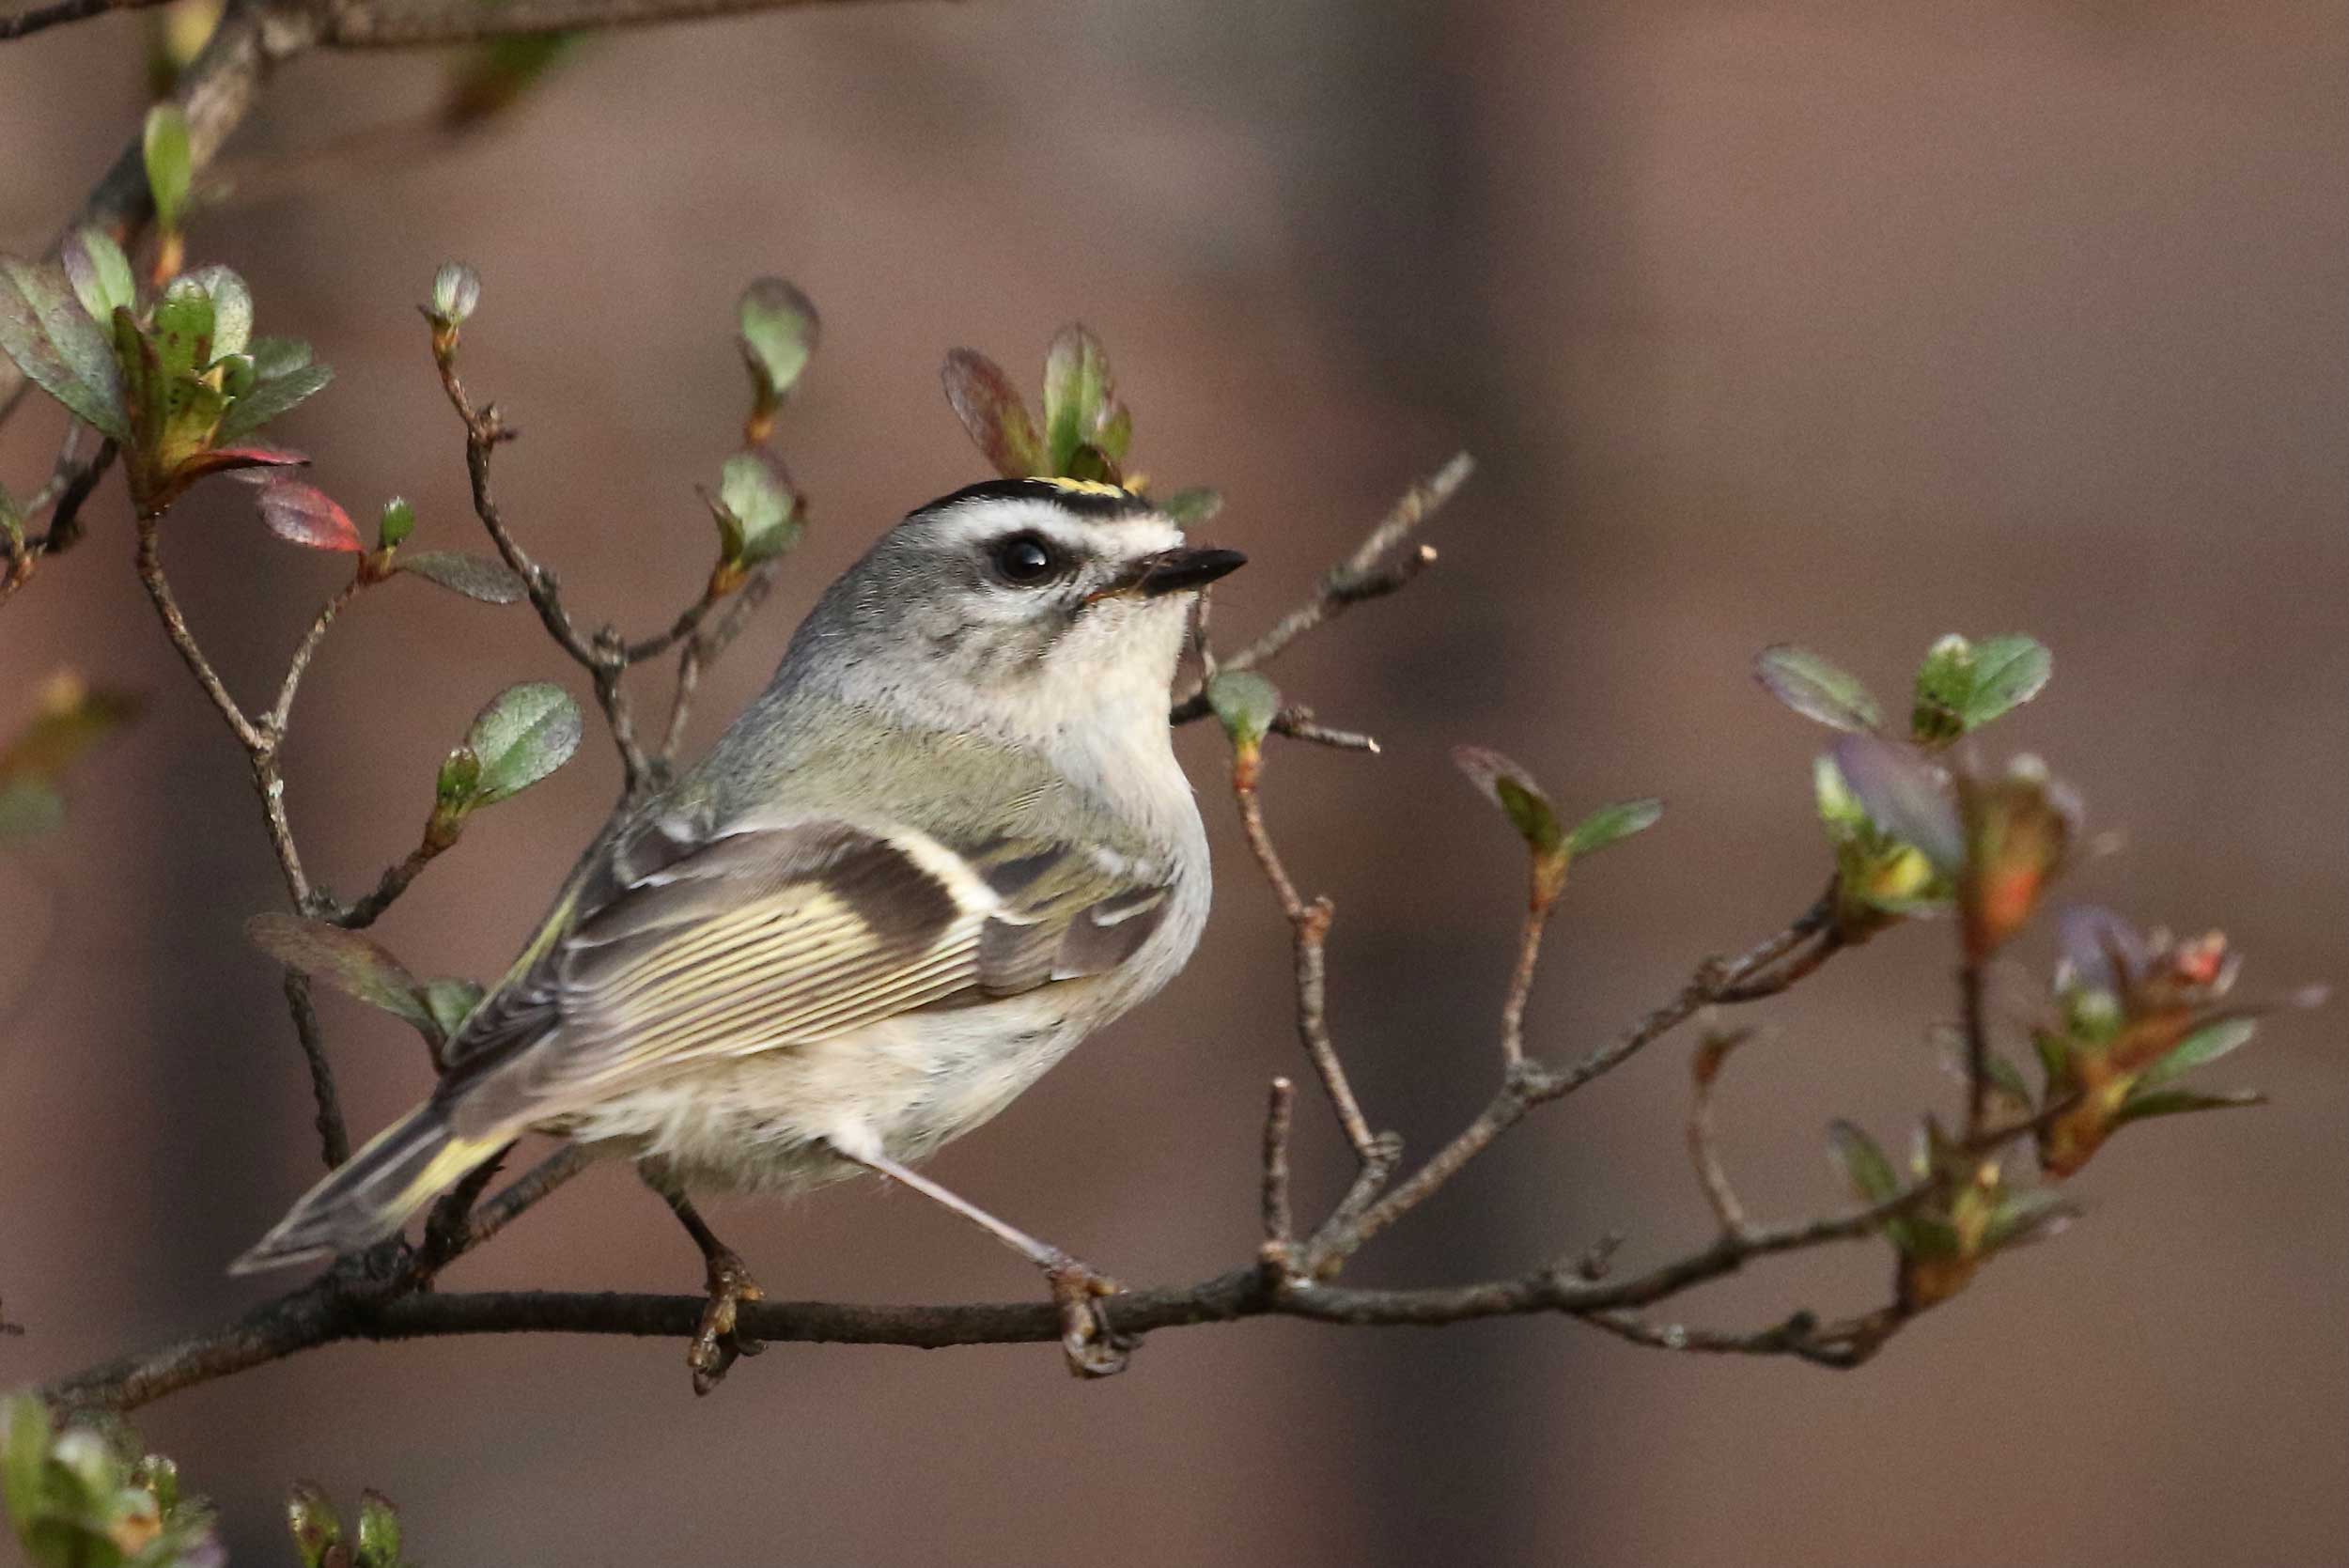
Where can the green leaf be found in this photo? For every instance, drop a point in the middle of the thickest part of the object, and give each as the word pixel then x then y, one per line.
pixel 450 1002
pixel 1902 795
pixel 354 964
pixel 276 357
pixel 525 734
pixel 1245 704
pixel 2009 670
pixel 397 522
pixel 1962 686
pixel 232 308
pixel 1815 688
pixel 779 332
pixel 99 274
pixel 2031 1215
pixel 379 1532
pixel 1513 790
pixel 1874 1181
pixel 60 348
pixel 1080 398
pixel 992 411
pixel 1872 1176
pixel 183 328
pixel 1611 824
pixel 274 393
pixel 474 576
pixel 2008 1078
pixel 1945 681
pixel 25 1435
pixel 2205 1045
pixel 11 516
pixel 1116 434
pixel 1090 464
pixel 458 782
pixel 1190 507
pixel 311 1517
pixel 170 166
pixel 756 495
pixel 193 407
pixel 2179 1102
pixel 238 375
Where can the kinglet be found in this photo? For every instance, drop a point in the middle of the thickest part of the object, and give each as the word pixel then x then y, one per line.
pixel 947 842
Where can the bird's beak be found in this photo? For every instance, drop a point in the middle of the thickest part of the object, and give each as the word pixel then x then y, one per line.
pixel 1175 571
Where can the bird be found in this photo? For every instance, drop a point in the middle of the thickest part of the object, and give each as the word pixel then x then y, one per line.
pixel 948 841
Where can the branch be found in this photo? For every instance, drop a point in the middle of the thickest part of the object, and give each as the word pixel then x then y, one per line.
pixel 150 568
pixel 371 24
pixel 1309 925
pixel 606 656
pixel 1530 1084
pixel 1357 578
pixel 332 1310
pixel 703 648
pixel 41 18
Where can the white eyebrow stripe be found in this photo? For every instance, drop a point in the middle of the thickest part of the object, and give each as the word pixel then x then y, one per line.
pixel 971 522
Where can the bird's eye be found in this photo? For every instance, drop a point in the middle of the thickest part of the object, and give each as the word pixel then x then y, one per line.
pixel 1025 560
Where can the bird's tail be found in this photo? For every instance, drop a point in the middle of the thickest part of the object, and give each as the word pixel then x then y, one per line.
pixel 372 1193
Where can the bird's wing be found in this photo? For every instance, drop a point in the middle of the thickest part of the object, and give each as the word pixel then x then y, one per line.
pixel 687 943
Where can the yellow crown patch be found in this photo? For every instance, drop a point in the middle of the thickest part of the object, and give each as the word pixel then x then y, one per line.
pixel 1084 487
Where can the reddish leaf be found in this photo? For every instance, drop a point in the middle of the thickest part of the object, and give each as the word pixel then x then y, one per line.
pixel 308 516
pixel 991 408
pixel 223 460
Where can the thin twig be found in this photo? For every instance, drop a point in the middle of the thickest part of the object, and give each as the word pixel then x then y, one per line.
pixel 369 908
pixel 525 1192
pixel 683 627
pixel 1309 925
pixel 334 1134
pixel 702 649
pixel 416 23
pixel 1703 1155
pixel 150 568
pixel 1839 1345
pixel 1972 983
pixel 1280 1220
pixel 282 709
pixel 1297 721
pixel 1358 578
pixel 1540 902
pixel 1531 1084
pixel 71 478
pixel 40 18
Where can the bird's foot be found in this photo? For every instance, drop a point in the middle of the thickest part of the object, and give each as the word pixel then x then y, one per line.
pixel 718 1341
pixel 1094 1348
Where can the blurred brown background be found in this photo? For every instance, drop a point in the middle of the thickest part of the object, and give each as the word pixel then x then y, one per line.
pixel 1843 323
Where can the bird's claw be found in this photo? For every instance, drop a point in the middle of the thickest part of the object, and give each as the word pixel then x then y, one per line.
pixel 1094 1348
pixel 717 1341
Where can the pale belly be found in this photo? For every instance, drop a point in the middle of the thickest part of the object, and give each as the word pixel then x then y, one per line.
pixel 763 1121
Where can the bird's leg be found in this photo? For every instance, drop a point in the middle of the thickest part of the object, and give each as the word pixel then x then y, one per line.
pixel 1093 1347
pixel 716 1342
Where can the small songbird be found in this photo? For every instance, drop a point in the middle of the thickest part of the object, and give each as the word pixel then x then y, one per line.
pixel 947 842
